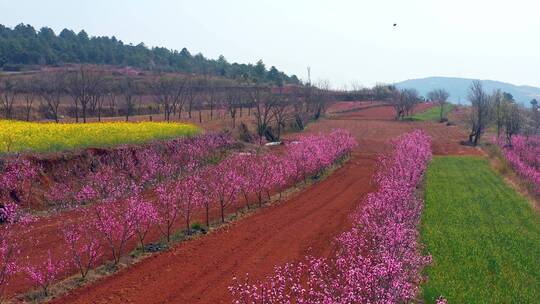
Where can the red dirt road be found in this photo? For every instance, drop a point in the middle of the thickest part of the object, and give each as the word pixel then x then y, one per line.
pixel 199 271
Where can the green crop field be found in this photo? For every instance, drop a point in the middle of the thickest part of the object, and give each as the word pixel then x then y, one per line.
pixel 17 136
pixel 483 236
pixel 433 113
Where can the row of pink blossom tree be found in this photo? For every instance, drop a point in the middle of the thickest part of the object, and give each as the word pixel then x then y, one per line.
pixel 17 180
pixel 379 260
pixel 523 154
pixel 124 168
pixel 14 223
pixel 116 210
pixel 120 173
pixel 133 169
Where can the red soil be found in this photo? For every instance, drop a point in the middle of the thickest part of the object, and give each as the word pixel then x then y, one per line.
pixel 46 234
pixel 199 271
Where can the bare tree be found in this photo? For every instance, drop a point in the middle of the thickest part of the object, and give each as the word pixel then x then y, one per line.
pixel 480 110
pixel 298 101
pixel 98 91
pixel 319 97
pixel 398 103
pixel 383 91
pixel 8 94
pixel 281 113
pixel 404 101
pixel 211 98
pixel 80 85
pixel 30 94
pixel 535 115
pixel 263 102
pixel 194 85
pixel 411 99
pixel 440 96
pixel 181 94
pixel 232 99
pixel 51 90
pixel 356 86
pixel 111 97
pixel 499 106
pixel 128 89
pixel 200 104
pixel 168 93
pixel 249 104
pixel 513 121
pixel 189 96
pixel 139 99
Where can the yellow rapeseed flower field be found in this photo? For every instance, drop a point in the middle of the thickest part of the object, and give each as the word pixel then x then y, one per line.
pixel 18 136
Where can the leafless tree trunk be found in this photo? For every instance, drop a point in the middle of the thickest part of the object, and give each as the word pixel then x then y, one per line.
pixel 190 97
pixel 139 103
pixel 233 99
pixel 80 86
pixel 8 93
pixel 412 99
pixel 513 121
pixel 263 102
pixel 440 96
pixel 128 89
pixel 317 98
pixel 404 102
pixel 211 99
pixel 97 101
pixel 398 103
pixel 200 101
pixel 499 108
pixel 535 109
pixel 29 98
pixel 281 114
pixel 51 90
pixel 480 110
pixel 164 94
pixel 111 98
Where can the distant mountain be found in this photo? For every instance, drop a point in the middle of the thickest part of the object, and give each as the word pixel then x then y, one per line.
pixel 458 88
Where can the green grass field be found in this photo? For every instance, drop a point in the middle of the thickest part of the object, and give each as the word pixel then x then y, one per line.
pixel 483 236
pixel 433 114
pixel 18 136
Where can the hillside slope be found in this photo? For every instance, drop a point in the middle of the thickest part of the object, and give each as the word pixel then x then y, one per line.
pixel 24 45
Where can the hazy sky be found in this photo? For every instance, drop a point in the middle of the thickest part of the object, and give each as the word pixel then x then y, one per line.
pixel 343 41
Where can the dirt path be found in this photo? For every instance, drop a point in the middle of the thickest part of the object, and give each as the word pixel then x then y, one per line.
pixel 199 271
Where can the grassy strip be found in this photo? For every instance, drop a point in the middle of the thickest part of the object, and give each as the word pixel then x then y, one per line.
pixel 18 136
pixel 483 236
pixel 433 113
pixel 501 165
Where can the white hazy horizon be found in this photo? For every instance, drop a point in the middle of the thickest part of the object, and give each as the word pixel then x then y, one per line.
pixel 343 41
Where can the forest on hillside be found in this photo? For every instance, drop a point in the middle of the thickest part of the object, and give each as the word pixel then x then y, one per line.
pixel 24 45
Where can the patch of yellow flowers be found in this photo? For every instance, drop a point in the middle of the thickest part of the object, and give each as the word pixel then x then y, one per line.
pixel 19 136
